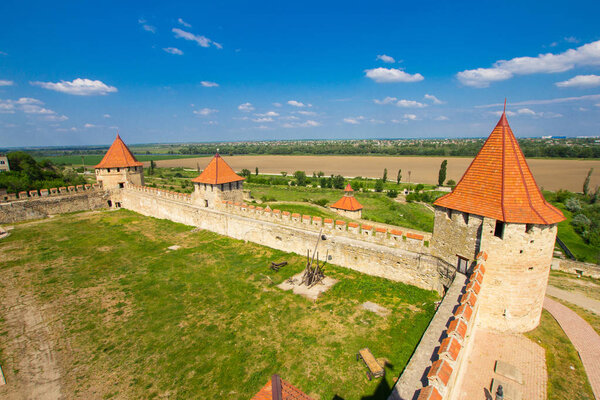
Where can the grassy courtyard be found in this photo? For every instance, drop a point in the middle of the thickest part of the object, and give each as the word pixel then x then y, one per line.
pixel 134 320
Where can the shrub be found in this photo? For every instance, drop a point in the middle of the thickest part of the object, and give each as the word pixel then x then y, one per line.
pixel 573 205
pixel 379 185
pixel 321 202
pixel 393 193
pixel 451 182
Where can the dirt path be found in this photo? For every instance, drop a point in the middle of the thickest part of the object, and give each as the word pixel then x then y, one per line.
pixel 576 298
pixel 30 365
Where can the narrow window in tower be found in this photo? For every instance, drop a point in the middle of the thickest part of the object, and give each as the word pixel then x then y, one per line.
pixel 499 230
pixel 118 169
pixel 466 218
pixel 449 213
pixel 529 228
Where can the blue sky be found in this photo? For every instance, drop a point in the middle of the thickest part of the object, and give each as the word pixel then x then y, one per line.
pixel 73 72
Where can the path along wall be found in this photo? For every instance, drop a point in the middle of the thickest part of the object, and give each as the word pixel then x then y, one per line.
pixel 377 252
pixel 36 205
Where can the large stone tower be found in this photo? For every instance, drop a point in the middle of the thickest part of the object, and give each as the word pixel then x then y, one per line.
pixel 498 208
pixel 118 167
pixel 216 183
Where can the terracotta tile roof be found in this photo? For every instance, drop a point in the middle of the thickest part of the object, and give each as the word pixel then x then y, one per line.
pixel 457 329
pixel 348 203
pixel 473 286
pixel 118 156
pixel 328 220
pixel 366 227
pixel 396 232
pixel 338 222
pixel 429 393
pixel 217 172
pixel 469 298
pixel 348 188
pixel 288 391
pixel 416 236
pixel 498 184
pixel 352 224
pixel 449 349
pixel 464 311
pixel 381 230
pixel 440 371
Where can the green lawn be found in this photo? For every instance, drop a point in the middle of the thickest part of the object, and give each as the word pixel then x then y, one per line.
pixel 575 243
pixel 306 209
pixel 566 377
pixel 377 206
pixel 200 322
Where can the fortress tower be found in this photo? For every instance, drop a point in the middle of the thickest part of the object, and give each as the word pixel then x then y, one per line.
pixel 119 166
pixel 348 206
pixel 498 208
pixel 216 183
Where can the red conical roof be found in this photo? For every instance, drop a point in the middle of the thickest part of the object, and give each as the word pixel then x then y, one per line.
pixel 347 202
pixel 217 172
pixel 498 184
pixel 118 156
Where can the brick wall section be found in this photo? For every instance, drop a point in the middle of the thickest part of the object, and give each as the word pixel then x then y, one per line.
pixel 576 267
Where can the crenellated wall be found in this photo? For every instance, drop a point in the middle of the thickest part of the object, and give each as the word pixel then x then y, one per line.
pixel 374 251
pixel 36 205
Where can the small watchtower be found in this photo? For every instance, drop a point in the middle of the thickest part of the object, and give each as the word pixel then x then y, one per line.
pixel 498 208
pixel 348 206
pixel 216 183
pixel 118 167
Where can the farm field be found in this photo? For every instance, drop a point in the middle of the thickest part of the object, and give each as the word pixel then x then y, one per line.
pixel 93 159
pixel 549 174
pixel 98 302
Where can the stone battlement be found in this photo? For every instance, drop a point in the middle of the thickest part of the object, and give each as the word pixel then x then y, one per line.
pixel 52 192
pixel 397 238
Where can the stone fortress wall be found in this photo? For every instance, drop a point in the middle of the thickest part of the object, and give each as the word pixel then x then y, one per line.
pixel 40 204
pixel 390 254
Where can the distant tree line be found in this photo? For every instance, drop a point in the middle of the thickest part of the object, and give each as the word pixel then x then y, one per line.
pixel 27 174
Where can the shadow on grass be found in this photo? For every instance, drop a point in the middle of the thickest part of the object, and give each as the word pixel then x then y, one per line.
pixel 382 391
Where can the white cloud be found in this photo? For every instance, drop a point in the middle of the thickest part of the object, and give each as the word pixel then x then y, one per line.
pixel 6 83
pixel 268 114
pixel 246 107
pixel 106 115
pixel 209 84
pixel 277 104
pixel 386 59
pixel 263 119
pixel 527 111
pixel 35 109
pixel 298 104
pixel 376 121
pixel 173 50
pixel 590 97
pixel 306 124
pixel 387 75
pixel 199 39
pixel 588 54
pixel 29 100
pixel 87 126
pixel 7 107
pixel 499 113
pixel 353 120
pixel 434 99
pixel 387 100
pixel 289 118
pixel 55 118
pixel 205 111
pixel 307 113
pixel 410 104
pixel 581 81
pixel 78 87
pixel 411 117
pixel 441 118
pixel 182 22
pixel 571 39
pixel 146 26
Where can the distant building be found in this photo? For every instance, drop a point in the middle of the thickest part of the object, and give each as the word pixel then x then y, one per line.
pixel 4 163
pixel 348 206
pixel 218 182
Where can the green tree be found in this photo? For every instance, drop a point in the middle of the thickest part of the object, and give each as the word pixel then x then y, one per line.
pixel 152 166
pixel 586 183
pixel 245 173
pixel 392 193
pixel 337 181
pixel 283 173
pixel 451 182
pixel 379 185
pixel 442 173
pixel 399 176
pixel 256 171
pixel 385 174
pixel 300 178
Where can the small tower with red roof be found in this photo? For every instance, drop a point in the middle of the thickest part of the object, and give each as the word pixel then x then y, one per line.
pixel 348 206
pixel 218 182
pixel 118 167
pixel 498 208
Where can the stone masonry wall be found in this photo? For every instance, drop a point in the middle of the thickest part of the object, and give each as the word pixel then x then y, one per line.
pixel 576 267
pixel 41 206
pixel 372 252
pixel 517 275
pixel 456 236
